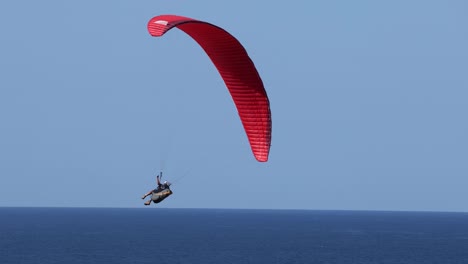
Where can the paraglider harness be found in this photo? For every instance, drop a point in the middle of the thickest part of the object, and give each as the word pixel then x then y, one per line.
pixel 159 194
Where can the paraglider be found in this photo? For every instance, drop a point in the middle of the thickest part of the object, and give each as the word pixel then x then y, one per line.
pixel 160 193
pixel 237 71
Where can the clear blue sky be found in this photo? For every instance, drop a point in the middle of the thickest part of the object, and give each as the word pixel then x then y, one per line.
pixel 368 99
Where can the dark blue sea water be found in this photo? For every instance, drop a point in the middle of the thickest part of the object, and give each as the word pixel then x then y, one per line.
pixel 155 235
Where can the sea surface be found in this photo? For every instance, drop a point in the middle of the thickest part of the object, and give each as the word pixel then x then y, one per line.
pixel 203 236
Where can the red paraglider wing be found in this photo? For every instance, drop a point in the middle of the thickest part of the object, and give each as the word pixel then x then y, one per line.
pixel 237 70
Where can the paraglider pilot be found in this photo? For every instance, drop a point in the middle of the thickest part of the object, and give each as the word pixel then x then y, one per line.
pixel 160 193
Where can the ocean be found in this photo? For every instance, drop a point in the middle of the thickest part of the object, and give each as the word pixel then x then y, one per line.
pixel 156 235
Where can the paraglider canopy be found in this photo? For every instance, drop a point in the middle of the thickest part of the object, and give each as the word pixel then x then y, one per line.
pixel 237 71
